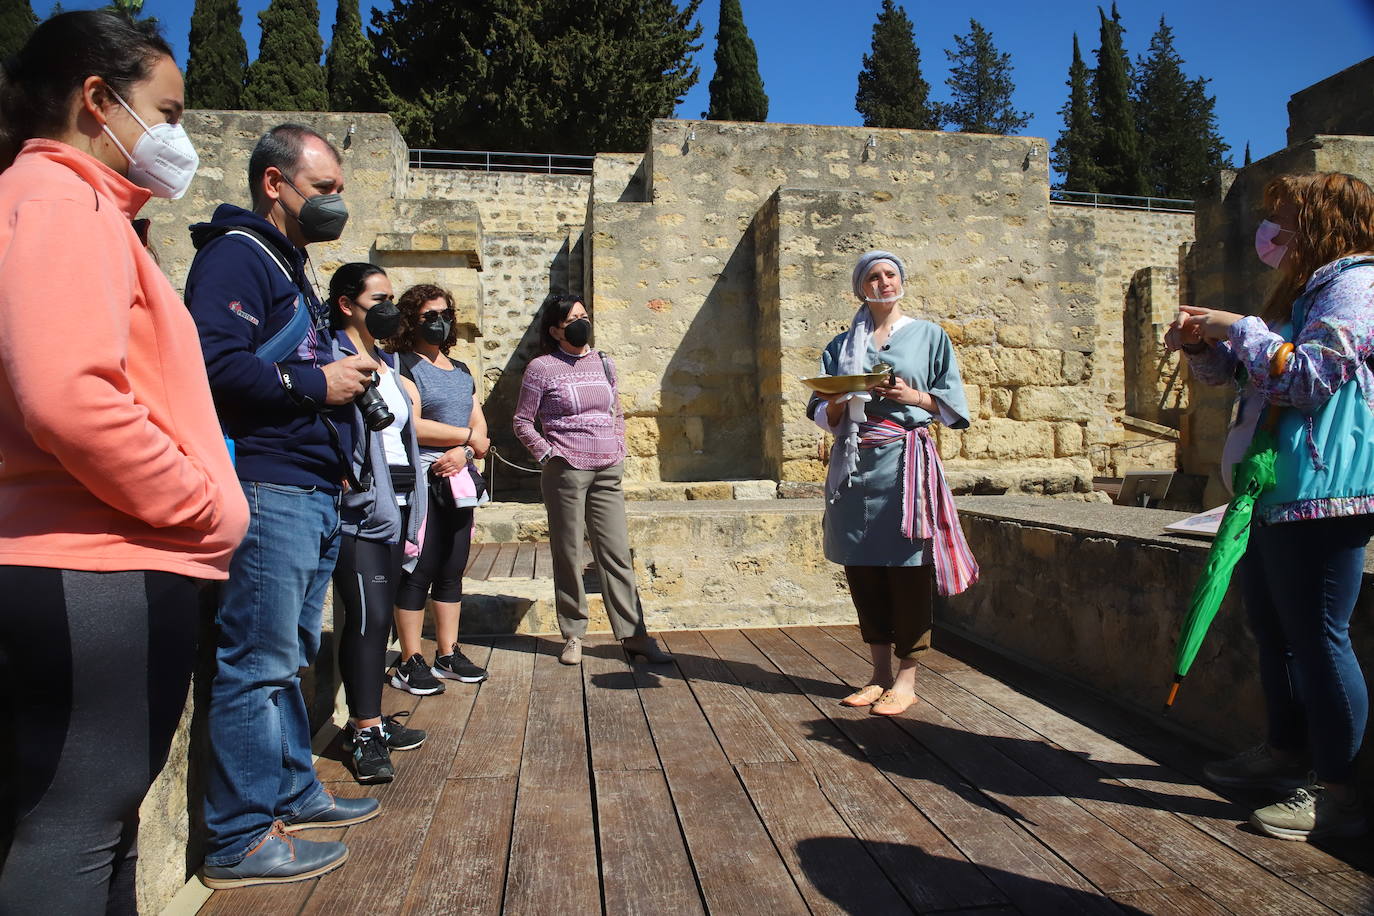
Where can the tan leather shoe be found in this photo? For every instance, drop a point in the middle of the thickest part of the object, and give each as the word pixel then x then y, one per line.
pixel 865 697
pixel 892 704
pixel 572 652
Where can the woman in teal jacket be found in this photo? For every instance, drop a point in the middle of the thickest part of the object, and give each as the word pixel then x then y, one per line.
pixel 1302 367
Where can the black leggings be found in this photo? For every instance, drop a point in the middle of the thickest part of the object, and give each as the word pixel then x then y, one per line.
pixel 94 669
pixel 444 556
pixel 365 580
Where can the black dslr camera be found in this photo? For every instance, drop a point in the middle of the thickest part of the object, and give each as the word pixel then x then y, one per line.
pixel 372 406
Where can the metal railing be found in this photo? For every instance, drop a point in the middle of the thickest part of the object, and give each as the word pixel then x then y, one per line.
pixel 488 161
pixel 1121 201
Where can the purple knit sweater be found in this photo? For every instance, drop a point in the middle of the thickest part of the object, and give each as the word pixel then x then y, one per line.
pixel 578 410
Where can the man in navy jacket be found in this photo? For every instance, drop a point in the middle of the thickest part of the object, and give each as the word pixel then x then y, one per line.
pixel 265 335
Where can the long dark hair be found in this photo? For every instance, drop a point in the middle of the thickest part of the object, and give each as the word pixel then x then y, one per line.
pixel 349 280
pixel 552 313
pixel 38 82
pixel 410 302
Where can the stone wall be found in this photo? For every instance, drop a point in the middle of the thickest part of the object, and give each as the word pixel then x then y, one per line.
pixel 717 286
pixel 1097 594
pixel 1342 104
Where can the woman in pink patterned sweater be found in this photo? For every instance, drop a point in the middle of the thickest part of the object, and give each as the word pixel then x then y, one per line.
pixel 570 391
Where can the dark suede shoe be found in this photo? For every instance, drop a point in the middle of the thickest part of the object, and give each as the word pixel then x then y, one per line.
pixel 278 858
pixel 328 810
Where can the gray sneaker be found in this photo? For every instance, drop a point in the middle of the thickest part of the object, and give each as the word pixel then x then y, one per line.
pixel 1257 769
pixel 1308 813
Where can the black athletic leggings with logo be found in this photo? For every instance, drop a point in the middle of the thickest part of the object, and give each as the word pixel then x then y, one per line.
pixel 94 669
pixel 365 580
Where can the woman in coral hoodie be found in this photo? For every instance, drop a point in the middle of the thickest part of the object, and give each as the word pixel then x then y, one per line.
pixel 117 496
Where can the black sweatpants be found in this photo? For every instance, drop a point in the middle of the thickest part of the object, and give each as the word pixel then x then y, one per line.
pixel 94 669
pixel 365 581
pixel 894 605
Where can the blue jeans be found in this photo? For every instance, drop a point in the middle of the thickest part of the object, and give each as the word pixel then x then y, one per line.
pixel 1301 581
pixel 269 619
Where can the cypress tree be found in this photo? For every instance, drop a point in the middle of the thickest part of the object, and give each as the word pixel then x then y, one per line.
pixel 981 86
pixel 1073 151
pixel 348 74
pixel 1247 152
pixel 218 57
pixel 1117 153
pixel 892 92
pixel 17 22
pixel 287 75
pixel 736 88
pixel 1182 149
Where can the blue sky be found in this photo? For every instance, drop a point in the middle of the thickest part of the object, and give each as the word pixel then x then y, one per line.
pixel 1256 52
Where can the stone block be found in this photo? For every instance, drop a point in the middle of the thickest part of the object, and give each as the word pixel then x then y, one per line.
pixel 1068 440
pixel 755 489
pixel 1059 403
pixel 715 490
pixel 1008 439
pixel 641 436
pixel 1013 335
pixel 799 489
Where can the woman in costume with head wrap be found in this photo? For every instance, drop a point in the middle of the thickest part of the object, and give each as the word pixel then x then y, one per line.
pixel 889 517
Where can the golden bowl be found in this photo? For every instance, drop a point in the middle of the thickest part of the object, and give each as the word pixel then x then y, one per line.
pixel 841 384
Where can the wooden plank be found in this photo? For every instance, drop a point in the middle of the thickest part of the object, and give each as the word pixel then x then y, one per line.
pixel 462 866
pixel 1174 901
pixel 384 851
pixel 504 564
pixel 1350 893
pixel 876 736
pixel 269 899
pixel 738 868
pixel 1103 856
pixel 553 861
pixel 738 724
pixel 644 862
pixel 1164 789
pixel 524 561
pixel 543 560
pixel 1173 842
pixel 835 872
pixel 617 731
pixel 480 569
pixel 921 861
pixel 495 731
pixel 475 553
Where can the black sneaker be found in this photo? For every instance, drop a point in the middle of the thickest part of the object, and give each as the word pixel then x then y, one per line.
pixel 400 737
pixel 371 759
pixel 458 667
pixel 413 676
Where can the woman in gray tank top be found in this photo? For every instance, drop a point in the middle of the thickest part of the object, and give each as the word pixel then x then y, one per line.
pixel 451 430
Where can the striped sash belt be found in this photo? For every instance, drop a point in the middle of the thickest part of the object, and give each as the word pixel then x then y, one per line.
pixel 927 504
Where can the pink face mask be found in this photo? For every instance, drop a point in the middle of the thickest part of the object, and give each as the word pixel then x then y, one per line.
pixel 1269 252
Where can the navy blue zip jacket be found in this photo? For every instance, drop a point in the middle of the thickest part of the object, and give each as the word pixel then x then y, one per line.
pixel 240 298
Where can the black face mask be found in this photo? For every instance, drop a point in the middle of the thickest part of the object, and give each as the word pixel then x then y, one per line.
pixel 383 320
pixel 322 218
pixel 579 332
pixel 435 330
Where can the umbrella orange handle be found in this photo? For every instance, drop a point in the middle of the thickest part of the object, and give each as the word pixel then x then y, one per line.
pixel 1173 694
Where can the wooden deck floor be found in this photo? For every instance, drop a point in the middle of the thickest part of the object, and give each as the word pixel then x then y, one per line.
pixel 734 783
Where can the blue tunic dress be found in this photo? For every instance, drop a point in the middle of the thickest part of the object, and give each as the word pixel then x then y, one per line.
pixel 863 527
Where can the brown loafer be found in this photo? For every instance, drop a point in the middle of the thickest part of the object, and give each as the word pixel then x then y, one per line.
pixel 865 697
pixel 892 704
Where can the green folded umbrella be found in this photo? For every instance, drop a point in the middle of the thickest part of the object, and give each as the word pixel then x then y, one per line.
pixel 1253 475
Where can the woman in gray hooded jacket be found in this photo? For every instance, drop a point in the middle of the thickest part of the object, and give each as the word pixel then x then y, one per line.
pixel 381 517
